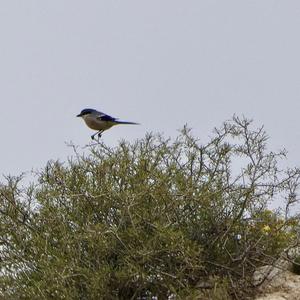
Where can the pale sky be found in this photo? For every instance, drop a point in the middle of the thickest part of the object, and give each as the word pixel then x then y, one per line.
pixel 162 63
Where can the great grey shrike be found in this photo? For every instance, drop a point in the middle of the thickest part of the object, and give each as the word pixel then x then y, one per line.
pixel 100 121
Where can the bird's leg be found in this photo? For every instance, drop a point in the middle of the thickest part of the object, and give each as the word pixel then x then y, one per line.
pixel 99 134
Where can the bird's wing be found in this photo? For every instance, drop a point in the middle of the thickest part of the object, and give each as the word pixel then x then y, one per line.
pixel 104 117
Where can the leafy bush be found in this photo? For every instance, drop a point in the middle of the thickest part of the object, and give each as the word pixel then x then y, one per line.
pixel 155 218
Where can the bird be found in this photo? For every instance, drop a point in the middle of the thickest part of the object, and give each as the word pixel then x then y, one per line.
pixel 100 121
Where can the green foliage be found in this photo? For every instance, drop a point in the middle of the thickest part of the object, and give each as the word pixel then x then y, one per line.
pixel 156 218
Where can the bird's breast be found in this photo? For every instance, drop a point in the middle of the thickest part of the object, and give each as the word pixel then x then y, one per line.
pixel 97 124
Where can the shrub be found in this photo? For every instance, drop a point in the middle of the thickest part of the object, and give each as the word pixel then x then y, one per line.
pixel 154 218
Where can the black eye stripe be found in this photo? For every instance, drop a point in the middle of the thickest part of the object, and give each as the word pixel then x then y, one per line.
pixel 86 112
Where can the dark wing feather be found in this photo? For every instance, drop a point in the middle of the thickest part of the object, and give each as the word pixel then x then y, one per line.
pixel 104 117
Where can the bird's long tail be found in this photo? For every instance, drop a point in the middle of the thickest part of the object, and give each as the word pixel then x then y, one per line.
pixel 128 123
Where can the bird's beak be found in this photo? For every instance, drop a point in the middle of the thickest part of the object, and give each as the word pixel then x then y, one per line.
pixel 78 115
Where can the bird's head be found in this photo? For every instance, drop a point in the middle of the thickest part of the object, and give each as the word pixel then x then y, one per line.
pixel 85 112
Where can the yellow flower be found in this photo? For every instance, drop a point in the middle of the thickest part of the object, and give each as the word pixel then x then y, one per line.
pixel 266 228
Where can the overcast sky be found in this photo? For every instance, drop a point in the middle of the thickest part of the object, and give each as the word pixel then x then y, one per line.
pixel 162 63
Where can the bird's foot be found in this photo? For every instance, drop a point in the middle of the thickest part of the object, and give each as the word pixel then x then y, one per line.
pixel 99 134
